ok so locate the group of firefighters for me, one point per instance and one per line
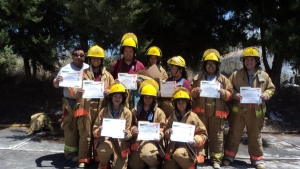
(82, 119)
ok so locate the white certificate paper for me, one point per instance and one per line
(129, 80)
(113, 128)
(167, 88)
(148, 131)
(93, 89)
(71, 78)
(250, 95)
(182, 132)
(154, 72)
(210, 89)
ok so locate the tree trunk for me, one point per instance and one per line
(276, 71)
(26, 67)
(34, 68)
(84, 43)
(263, 49)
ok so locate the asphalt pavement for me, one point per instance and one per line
(18, 151)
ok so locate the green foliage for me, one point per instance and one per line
(7, 60)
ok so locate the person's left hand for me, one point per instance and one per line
(138, 82)
(264, 96)
(192, 143)
(127, 133)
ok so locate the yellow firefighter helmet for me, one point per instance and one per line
(211, 54)
(154, 51)
(96, 51)
(148, 90)
(181, 93)
(117, 88)
(177, 61)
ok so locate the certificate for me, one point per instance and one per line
(167, 88)
(93, 89)
(148, 131)
(154, 72)
(210, 89)
(250, 95)
(129, 80)
(113, 128)
(71, 78)
(182, 132)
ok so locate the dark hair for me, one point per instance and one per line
(184, 72)
(158, 64)
(188, 104)
(101, 64)
(76, 49)
(124, 96)
(217, 66)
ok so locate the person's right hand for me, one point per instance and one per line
(58, 79)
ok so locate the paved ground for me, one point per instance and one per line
(18, 151)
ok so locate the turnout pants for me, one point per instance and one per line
(147, 154)
(254, 124)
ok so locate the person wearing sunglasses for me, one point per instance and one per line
(87, 108)
(212, 111)
(71, 135)
(147, 152)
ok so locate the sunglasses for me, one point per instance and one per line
(210, 65)
(76, 55)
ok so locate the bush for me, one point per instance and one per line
(8, 60)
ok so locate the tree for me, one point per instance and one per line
(35, 28)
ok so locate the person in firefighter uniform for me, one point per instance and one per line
(184, 155)
(71, 98)
(249, 115)
(128, 64)
(113, 149)
(179, 74)
(154, 55)
(90, 107)
(212, 111)
(147, 153)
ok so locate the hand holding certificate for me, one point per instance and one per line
(93, 89)
(148, 131)
(166, 88)
(71, 78)
(129, 80)
(113, 128)
(250, 95)
(210, 89)
(182, 132)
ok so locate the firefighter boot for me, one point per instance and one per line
(226, 162)
(216, 165)
(82, 165)
(260, 166)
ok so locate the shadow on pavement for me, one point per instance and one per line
(58, 161)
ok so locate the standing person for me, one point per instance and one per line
(70, 99)
(113, 149)
(212, 111)
(154, 55)
(128, 64)
(179, 74)
(184, 155)
(146, 153)
(91, 106)
(249, 115)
